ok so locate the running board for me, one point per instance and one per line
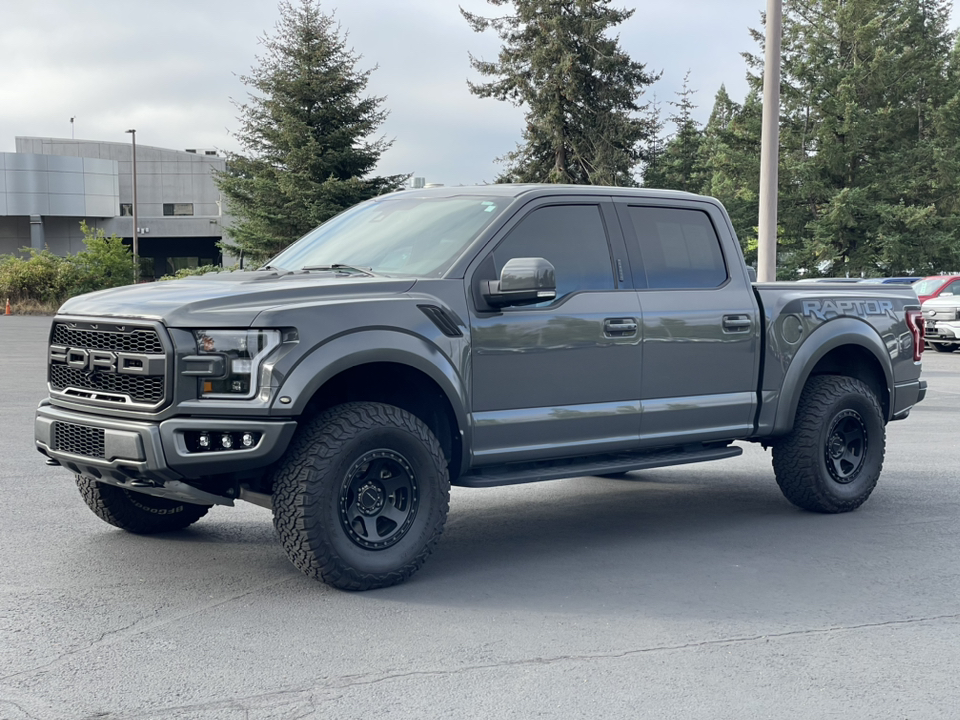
(518, 473)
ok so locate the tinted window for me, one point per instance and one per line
(680, 248)
(572, 237)
(952, 289)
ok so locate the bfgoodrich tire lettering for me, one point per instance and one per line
(831, 460)
(136, 512)
(361, 496)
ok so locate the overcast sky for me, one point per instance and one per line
(169, 69)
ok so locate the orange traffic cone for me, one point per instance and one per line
(8, 311)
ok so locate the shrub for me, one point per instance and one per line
(187, 272)
(47, 279)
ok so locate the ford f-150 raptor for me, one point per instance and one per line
(476, 337)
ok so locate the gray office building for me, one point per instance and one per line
(49, 185)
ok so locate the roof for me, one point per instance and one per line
(534, 189)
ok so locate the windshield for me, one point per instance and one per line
(928, 286)
(399, 234)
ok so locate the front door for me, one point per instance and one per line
(561, 378)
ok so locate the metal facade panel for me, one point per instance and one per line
(26, 181)
(68, 205)
(65, 183)
(28, 203)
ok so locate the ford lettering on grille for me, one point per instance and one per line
(122, 366)
(108, 361)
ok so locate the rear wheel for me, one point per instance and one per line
(831, 460)
(361, 497)
(136, 512)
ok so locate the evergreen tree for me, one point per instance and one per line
(305, 131)
(580, 90)
(679, 166)
(863, 186)
(730, 153)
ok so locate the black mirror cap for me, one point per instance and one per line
(523, 281)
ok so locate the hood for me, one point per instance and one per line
(229, 299)
(942, 301)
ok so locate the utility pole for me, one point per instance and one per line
(770, 146)
(136, 230)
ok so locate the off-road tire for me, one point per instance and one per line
(831, 460)
(137, 512)
(317, 510)
(944, 347)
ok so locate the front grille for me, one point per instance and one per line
(108, 379)
(78, 440)
(141, 389)
(135, 341)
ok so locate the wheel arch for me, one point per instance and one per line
(845, 346)
(383, 366)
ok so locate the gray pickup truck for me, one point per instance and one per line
(476, 337)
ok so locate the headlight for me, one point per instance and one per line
(243, 352)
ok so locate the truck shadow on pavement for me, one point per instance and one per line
(657, 538)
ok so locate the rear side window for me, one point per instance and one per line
(680, 248)
(572, 238)
(952, 289)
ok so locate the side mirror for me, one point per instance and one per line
(751, 273)
(523, 281)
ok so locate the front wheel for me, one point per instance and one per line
(944, 347)
(831, 460)
(137, 512)
(361, 497)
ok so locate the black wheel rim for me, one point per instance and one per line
(378, 499)
(846, 446)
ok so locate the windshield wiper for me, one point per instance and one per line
(339, 267)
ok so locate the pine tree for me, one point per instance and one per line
(680, 166)
(864, 82)
(305, 132)
(730, 153)
(579, 88)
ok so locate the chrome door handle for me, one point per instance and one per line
(737, 323)
(620, 327)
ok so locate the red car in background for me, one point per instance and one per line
(936, 285)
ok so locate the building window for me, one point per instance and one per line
(177, 209)
(126, 209)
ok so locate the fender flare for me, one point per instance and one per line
(828, 337)
(364, 346)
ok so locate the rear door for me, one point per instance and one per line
(701, 333)
(560, 378)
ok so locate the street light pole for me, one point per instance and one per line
(770, 146)
(136, 236)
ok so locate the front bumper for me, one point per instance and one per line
(130, 453)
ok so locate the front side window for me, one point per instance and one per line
(680, 248)
(952, 289)
(399, 234)
(572, 238)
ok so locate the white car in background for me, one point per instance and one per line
(942, 322)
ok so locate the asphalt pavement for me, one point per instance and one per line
(688, 592)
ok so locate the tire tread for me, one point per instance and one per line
(312, 455)
(796, 456)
